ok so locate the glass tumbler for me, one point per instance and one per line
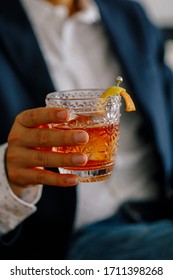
(100, 118)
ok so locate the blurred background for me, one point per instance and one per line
(161, 13)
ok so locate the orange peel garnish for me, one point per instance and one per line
(114, 90)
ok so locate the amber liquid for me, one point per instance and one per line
(101, 148)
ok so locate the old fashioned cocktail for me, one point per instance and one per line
(100, 118)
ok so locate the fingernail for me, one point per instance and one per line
(71, 180)
(79, 159)
(62, 115)
(81, 137)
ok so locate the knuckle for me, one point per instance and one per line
(13, 175)
(50, 115)
(67, 138)
(40, 177)
(13, 138)
(57, 181)
(21, 117)
(41, 137)
(41, 158)
(11, 157)
(32, 115)
(63, 159)
(66, 160)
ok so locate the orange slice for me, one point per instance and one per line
(130, 106)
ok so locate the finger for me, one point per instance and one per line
(41, 137)
(36, 176)
(40, 116)
(32, 158)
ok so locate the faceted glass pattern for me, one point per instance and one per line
(100, 118)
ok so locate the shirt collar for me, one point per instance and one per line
(89, 15)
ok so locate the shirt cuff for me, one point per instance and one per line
(13, 210)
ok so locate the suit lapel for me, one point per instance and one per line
(136, 52)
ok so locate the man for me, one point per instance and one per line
(43, 48)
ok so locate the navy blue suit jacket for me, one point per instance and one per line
(25, 81)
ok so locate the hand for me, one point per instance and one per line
(25, 162)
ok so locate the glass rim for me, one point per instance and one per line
(53, 95)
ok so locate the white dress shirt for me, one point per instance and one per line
(78, 55)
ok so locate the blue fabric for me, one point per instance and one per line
(119, 238)
(141, 52)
